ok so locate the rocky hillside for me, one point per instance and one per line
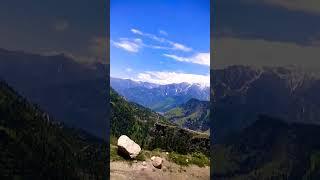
(34, 146)
(194, 115)
(151, 130)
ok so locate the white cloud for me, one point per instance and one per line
(129, 45)
(134, 45)
(162, 32)
(135, 31)
(173, 45)
(158, 47)
(163, 77)
(181, 47)
(199, 58)
(177, 58)
(151, 36)
(128, 69)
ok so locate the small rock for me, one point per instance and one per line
(167, 153)
(157, 161)
(144, 163)
(135, 161)
(152, 158)
(128, 147)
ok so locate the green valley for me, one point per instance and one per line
(151, 130)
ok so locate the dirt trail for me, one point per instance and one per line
(122, 170)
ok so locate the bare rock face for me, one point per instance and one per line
(157, 162)
(128, 147)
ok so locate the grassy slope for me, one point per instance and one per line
(198, 159)
(194, 114)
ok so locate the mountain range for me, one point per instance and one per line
(75, 93)
(72, 92)
(56, 141)
(241, 93)
(160, 98)
(265, 121)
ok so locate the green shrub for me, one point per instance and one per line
(113, 140)
(179, 159)
(114, 156)
(141, 156)
(197, 158)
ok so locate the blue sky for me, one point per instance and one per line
(160, 41)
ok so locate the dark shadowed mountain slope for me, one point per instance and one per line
(34, 146)
(269, 149)
(70, 91)
(80, 104)
(194, 114)
(160, 98)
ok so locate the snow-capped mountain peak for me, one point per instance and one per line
(160, 97)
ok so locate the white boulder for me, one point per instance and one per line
(128, 147)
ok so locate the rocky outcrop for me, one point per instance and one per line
(127, 147)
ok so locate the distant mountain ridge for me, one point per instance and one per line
(160, 98)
